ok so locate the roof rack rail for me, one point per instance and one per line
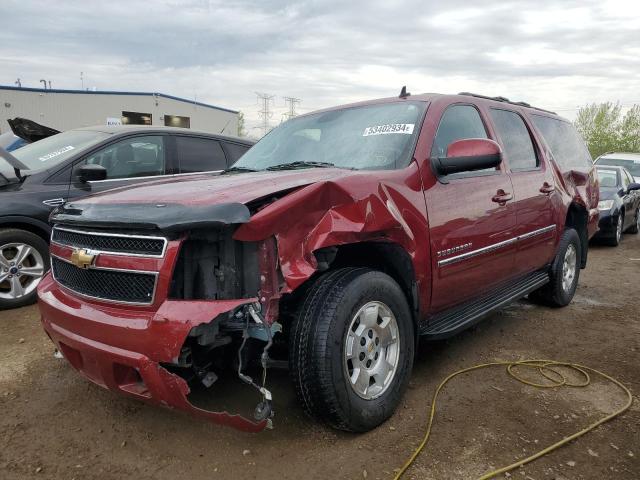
(505, 100)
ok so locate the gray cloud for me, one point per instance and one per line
(557, 54)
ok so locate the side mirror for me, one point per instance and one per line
(633, 186)
(468, 155)
(91, 173)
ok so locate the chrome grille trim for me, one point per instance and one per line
(115, 235)
(109, 300)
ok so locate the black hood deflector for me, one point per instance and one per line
(168, 218)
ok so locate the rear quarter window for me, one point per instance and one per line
(566, 144)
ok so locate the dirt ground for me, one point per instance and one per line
(55, 424)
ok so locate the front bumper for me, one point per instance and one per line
(606, 225)
(121, 349)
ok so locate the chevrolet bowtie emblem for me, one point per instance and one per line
(82, 258)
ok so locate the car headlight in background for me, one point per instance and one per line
(605, 204)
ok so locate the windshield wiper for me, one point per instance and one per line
(239, 169)
(301, 164)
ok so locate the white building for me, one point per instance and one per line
(67, 109)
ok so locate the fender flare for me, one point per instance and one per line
(39, 224)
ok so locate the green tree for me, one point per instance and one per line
(241, 131)
(600, 125)
(630, 130)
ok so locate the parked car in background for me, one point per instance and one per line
(345, 233)
(38, 177)
(630, 161)
(24, 132)
(619, 204)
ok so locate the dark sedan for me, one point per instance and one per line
(619, 204)
(42, 175)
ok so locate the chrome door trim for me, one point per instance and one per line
(495, 246)
(151, 176)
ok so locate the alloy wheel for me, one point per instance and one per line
(569, 266)
(619, 227)
(21, 269)
(371, 350)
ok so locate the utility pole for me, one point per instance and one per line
(82, 80)
(19, 83)
(291, 103)
(265, 100)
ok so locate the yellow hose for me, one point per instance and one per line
(557, 379)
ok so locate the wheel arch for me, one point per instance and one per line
(388, 257)
(28, 224)
(577, 218)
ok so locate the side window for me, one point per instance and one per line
(626, 181)
(235, 151)
(197, 154)
(458, 122)
(130, 158)
(516, 139)
(566, 144)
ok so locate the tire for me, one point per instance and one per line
(617, 233)
(331, 317)
(561, 288)
(17, 287)
(635, 228)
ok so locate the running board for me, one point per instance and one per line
(456, 319)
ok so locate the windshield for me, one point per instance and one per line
(370, 137)
(608, 178)
(53, 150)
(632, 165)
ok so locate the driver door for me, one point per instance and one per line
(131, 160)
(471, 217)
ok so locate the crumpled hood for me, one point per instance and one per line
(185, 203)
(218, 189)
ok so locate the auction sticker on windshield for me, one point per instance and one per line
(51, 155)
(405, 128)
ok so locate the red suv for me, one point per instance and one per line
(335, 242)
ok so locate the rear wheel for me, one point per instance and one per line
(24, 259)
(564, 273)
(635, 228)
(351, 348)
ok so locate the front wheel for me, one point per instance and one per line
(351, 348)
(24, 259)
(617, 235)
(564, 273)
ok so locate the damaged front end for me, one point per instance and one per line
(210, 315)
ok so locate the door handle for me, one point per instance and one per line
(501, 197)
(546, 188)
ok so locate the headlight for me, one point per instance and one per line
(605, 204)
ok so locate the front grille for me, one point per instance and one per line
(114, 243)
(113, 285)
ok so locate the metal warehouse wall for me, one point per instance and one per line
(64, 110)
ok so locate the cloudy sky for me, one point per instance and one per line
(554, 54)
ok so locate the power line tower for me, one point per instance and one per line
(265, 101)
(291, 103)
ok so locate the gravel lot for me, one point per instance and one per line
(54, 424)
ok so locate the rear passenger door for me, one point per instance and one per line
(199, 154)
(534, 190)
(471, 218)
